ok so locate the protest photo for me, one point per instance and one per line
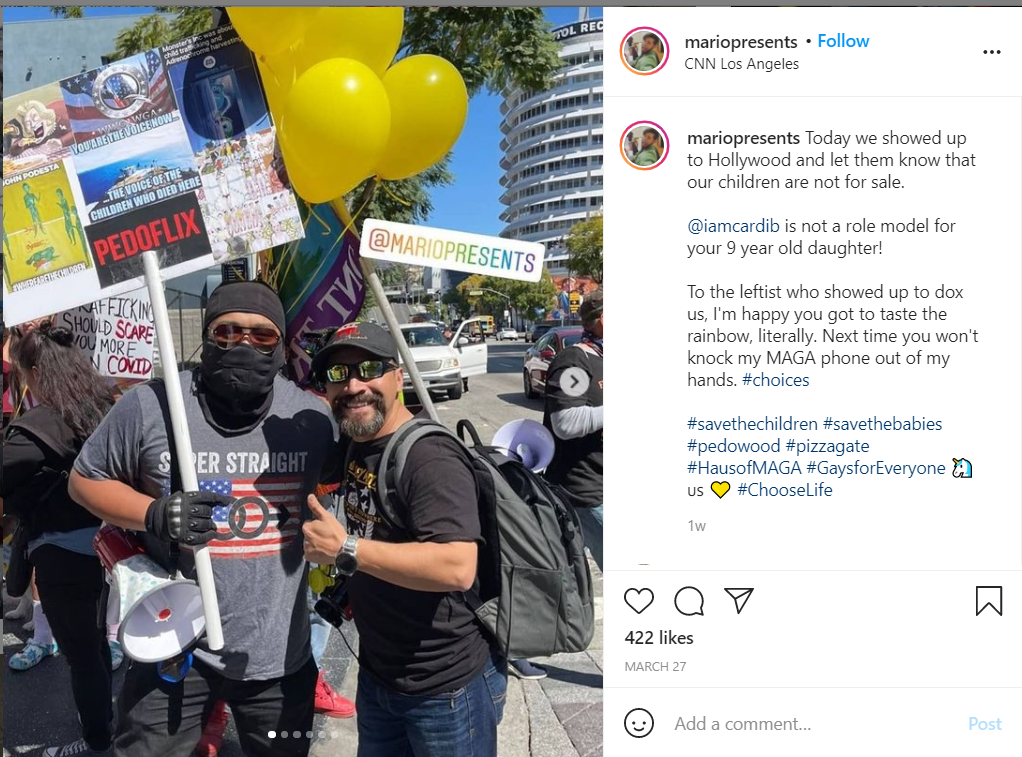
(255, 258)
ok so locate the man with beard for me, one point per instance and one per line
(651, 150)
(652, 53)
(260, 445)
(429, 682)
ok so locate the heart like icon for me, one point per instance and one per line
(720, 488)
(639, 599)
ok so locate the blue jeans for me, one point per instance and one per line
(320, 631)
(462, 723)
(592, 531)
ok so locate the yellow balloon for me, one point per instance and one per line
(428, 104)
(335, 127)
(270, 30)
(369, 35)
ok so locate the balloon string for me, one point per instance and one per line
(293, 247)
(346, 216)
(394, 196)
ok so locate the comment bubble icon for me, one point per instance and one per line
(689, 601)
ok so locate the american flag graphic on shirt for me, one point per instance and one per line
(263, 520)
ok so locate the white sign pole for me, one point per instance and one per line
(376, 287)
(182, 441)
(407, 359)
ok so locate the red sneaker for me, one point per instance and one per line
(330, 703)
(213, 735)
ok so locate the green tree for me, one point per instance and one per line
(496, 48)
(585, 248)
(527, 298)
(145, 34)
(68, 11)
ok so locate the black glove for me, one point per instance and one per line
(184, 517)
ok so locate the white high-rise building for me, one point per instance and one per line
(553, 146)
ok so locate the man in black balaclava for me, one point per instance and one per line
(235, 385)
(260, 445)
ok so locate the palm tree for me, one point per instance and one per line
(147, 33)
(68, 11)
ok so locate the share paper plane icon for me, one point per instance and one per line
(740, 596)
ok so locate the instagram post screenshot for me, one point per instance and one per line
(303, 315)
(821, 549)
(303, 381)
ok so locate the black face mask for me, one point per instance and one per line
(237, 385)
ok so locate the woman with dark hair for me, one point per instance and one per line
(40, 448)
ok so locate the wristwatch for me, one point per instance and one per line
(347, 562)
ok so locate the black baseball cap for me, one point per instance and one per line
(369, 337)
(592, 307)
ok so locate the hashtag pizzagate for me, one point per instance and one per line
(840, 449)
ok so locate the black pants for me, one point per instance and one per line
(166, 719)
(71, 589)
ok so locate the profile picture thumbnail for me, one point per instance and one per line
(644, 50)
(644, 145)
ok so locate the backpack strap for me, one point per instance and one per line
(392, 465)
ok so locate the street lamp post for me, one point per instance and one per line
(479, 293)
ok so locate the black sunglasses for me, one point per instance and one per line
(227, 336)
(367, 370)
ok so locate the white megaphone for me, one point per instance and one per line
(528, 441)
(160, 616)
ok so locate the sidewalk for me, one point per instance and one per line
(561, 716)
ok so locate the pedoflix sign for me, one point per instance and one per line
(452, 250)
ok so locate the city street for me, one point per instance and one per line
(496, 398)
(560, 716)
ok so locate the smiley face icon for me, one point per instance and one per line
(639, 723)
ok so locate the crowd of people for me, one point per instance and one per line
(78, 454)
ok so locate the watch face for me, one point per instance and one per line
(346, 564)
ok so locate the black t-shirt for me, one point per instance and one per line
(577, 463)
(415, 642)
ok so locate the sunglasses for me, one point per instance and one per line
(227, 336)
(367, 370)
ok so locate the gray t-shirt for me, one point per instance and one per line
(258, 562)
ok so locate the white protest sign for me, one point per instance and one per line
(117, 334)
(172, 150)
(452, 250)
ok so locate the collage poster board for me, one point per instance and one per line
(170, 150)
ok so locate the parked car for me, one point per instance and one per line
(445, 365)
(539, 356)
(538, 331)
(507, 333)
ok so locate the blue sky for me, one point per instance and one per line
(472, 203)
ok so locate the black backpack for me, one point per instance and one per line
(534, 591)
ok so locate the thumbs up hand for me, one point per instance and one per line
(324, 535)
